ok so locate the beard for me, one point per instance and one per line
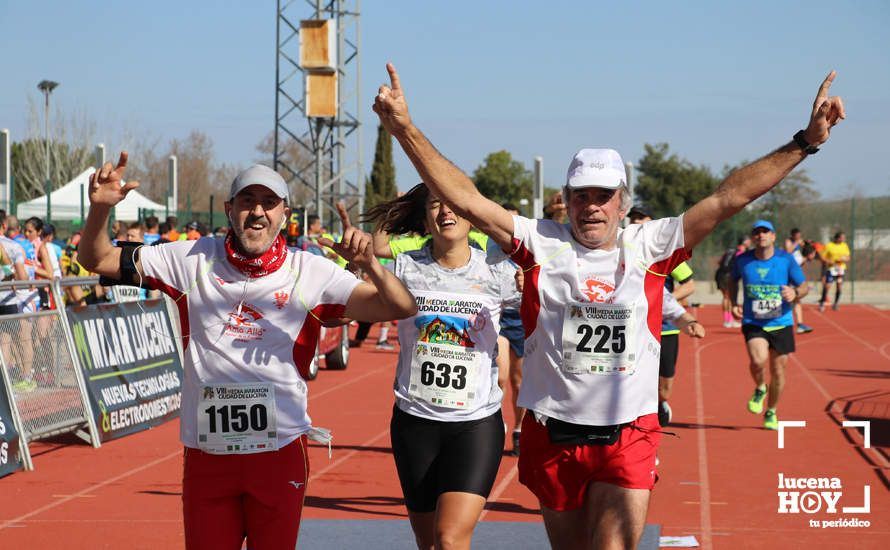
(253, 242)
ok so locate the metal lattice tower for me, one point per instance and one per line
(320, 158)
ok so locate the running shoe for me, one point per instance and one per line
(25, 386)
(355, 343)
(755, 405)
(727, 324)
(770, 420)
(664, 414)
(803, 329)
(836, 306)
(384, 345)
(735, 324)
(821, 307)
(515, 451)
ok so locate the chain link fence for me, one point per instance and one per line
(865, 221)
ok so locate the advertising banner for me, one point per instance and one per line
(130, 363)
(10, 461)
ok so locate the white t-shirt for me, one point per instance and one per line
(592, 319)
(446, 370)
(671, 309)
(24, 299)
(240, 330)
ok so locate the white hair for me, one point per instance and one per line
(626, 199)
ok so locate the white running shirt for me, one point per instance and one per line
(236, 330)
(592, 319)
(18, 298)
(454, 332)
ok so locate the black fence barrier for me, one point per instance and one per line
(10, 456)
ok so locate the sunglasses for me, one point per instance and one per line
(760, 230)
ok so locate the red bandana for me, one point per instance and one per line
(260, 266)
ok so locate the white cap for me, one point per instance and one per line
(259, 174)
(596, 168)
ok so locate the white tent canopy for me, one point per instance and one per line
(65, 202)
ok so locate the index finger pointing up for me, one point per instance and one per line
(344, 215)
(393, 76)
(823, 89)
(122, 161)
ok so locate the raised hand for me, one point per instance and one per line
(390, 104)
(827, 111)
(344, 215)
(355, 246)
(105, 183)
(556, 208)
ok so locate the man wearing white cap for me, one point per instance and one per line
(591, 310)
(250, 311)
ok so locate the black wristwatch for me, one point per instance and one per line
(803, 144)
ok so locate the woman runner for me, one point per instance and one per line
(447, 430)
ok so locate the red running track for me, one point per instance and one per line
(718, 478)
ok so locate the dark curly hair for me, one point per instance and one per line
(405, 214)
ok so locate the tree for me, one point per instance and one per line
(792, 193)
(669, 185)
(381, 187)
(199, 175)
(502, 179)
(70, 153)
(29, 166)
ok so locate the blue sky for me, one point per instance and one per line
(720, 82)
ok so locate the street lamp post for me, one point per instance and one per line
(47, 87)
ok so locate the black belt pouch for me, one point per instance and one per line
(566, 433)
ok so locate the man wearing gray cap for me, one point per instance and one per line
(591, 310)
(250, 311)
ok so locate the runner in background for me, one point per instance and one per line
(835, 256)
(152, 234)
(794, 245)
(447, 429)
(679, 286)
(251, 311)
(722, 278)
(590, 438)
(555, 208)
(172, 234)
(12, 302)
(117, 294)
(773, 282)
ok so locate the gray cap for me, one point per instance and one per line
(259, 174)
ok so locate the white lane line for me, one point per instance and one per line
(316, 395)
(348, 455)
(841, 329)
(500, 488)
(878, 457)
(704, 488)
(90, 489)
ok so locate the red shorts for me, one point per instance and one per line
(260, 496)
(559, 474)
